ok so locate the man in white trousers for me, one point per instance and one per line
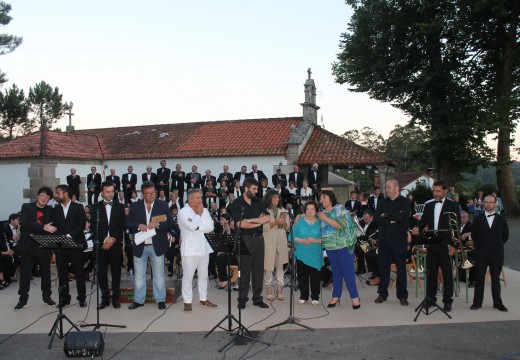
(194, 221)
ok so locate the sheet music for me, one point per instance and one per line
(144, 237)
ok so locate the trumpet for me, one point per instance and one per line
(455, 236)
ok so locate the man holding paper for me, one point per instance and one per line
(108, 224)
(150, 221)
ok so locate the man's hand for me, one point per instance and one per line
(452, 251)
(153, 225)
(109, 241)
(142, 227)
(415, 230)
(49, 228)
(17, 236)
(280, 221)
(199, 210)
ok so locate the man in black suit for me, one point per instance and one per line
(208, 176)
(489, 234)
(279, 177)
(226, 175)
(36, 218)
(9, 235)
(129, 181)
(353, 205)
(116, 181)
(439, 215)
(258, 175)
(69, 219)
(163, 179)
(111, 227)
(93, 185)
(241, 175)
(370, 228)
(149, 176)
(73, 181)
(193, 179)
(374, 199)
(465, 233)
(143, 218)
(314, 178)
(297, 177)
(178, 179)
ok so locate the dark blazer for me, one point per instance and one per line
(163, 174)
(356, 208)
(129, 179)
(96, 179)
(31, 225)
(73, 183)
(114, 180)
(371, 202)
(371, 229)
(117, 222)
(299, 180)
(229, 180)
(314, 181)
(178, 178)
(259, 173)
(237, 175)
(137, 215)
(153, 177)
(203, 182)
(428, 217)
(73, 224)
(197, 184)
(488, 240)
(275, 179)
(7, 231)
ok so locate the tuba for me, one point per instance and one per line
(455, 236)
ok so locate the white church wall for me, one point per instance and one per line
(13, 181)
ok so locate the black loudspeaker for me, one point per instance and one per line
(84, 343)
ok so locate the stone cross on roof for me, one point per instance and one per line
(309, 72)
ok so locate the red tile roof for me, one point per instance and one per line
(325, 147)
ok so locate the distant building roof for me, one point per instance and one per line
(409, 177)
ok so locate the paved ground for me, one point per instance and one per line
(385, 331)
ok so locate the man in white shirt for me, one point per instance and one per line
(194, 221)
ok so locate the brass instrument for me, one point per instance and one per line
(455, 236)
(369, 244)
(359, 229)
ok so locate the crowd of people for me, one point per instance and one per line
(167, 224)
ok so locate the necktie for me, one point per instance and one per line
(107, 202)
(491, 215)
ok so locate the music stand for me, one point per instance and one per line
(57, 242)
(225, 243)
(430, 237)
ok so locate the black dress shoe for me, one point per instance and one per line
(241, 305)
(327, 283)
(475, 307)
(161, 305)
(261, 304)
(116, 304)
(471, 284)
(447, 308)
(500, 307)
(103, 305)
(134, 305)
(82, 303)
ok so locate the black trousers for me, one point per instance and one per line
(75, 258)
(7, 266)
(27, 259)
(495, 262)
(111, 257)
(438, 257)
(307, 274)
(360, 258)
(392, 251)
(371, 257)
(222, 261)
(252, 269)
(92, 197)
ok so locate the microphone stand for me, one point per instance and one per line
(97, 325)
(291, 320)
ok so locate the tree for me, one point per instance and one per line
(402, 52)
(7, 42)
(368, 138)
(47, 105)
(406, 147)
(14, 111)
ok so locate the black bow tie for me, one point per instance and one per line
(491, 215)
(108, 202)
(438, 201)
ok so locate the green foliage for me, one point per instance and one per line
(368, 138)
(47, 105)
(406, 147)
(8, 43)
(421, 193)
(365, 181)
(14, 111)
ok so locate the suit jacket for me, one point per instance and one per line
(163, 174)
(114, 180)
(428, 217)
(236, 177)
(73, 183)
(6, 236)
(259, 173)
(178, 178)
(197, 184)
(489, 241)
(137, 215)
(73, 224)
(96, 179)
(117, 222)
(153, 177)
(371, 229)
(371, 202)
(229, 181)
(275, 179)
(32, 225)
(203, 182)
(356, 208)
(299, 179)
(129, 179)
(314, 180)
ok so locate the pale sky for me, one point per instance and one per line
(131, 62)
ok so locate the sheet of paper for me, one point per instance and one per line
(143, 236)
